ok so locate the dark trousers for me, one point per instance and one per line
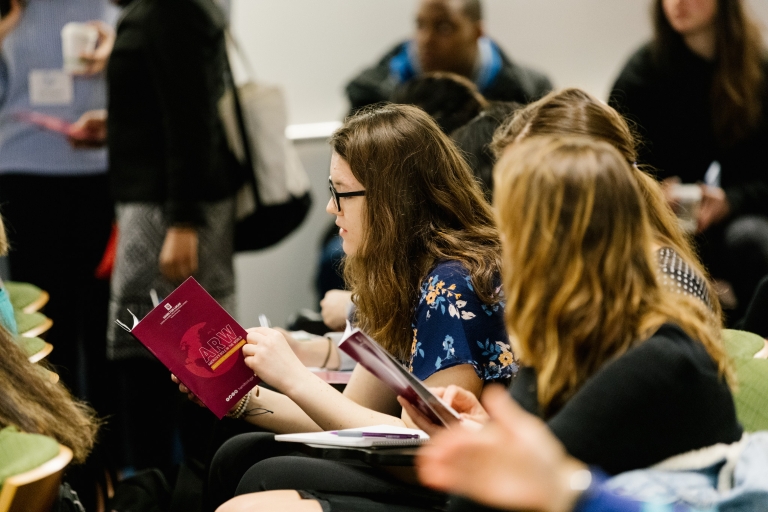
(737, 251)
(146, 421)
(58, 227)
(256, 462)
(235, 458)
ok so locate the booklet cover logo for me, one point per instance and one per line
(209, 350)
(172, 311)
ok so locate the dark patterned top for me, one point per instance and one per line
(451, 326)
(679, 276)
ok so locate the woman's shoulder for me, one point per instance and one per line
(449, 268)
(635, 89)
(677, 275)
(449, 273)
(670, 349)
(640, 67)
(453, 326)
(448, 279)
(448, 287)
(667, 366)
(662, 397)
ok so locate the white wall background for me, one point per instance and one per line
(313, 47)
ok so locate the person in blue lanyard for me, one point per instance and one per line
(54, 197)
(449, 37)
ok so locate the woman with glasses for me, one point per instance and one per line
(422, 261)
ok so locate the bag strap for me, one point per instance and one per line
(230, 79)
(239, 53)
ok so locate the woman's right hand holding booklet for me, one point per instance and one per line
(473, 415)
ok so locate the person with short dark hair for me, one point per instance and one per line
(452, 100)
(698, 94)
(475, 137)
(449, 37)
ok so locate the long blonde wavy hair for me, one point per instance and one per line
(422, 205)
(579, 269)
(573, 111)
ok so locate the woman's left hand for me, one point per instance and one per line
(270, 357)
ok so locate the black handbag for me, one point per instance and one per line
(275, 198)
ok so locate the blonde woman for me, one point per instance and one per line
(625, 371)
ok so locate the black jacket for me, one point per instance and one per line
(513, 83)
(671, 108)
(166, 75)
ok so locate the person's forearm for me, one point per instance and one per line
(319, 352)
(331, 410)
(277, 413)
(310, 405)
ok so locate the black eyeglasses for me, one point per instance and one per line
(338, 195)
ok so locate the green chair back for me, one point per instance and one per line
(751, 397)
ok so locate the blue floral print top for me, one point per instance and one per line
(452, 327)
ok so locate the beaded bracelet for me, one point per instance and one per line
(240, 408)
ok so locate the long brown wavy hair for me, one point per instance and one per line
(573, 111)
(32, 403)
(579, 269)
(422, 205)
(737, 87)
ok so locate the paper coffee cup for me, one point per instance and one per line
(77, 39)
(688, 201)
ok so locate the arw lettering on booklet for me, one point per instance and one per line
(219, 348)
(199, 342)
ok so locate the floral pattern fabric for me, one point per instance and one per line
(452, 326)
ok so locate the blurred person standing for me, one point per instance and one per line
(449, 36)
(698, 94)
(55, 198)
(173, 179)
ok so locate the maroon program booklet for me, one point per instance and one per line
(387, 369)
(200, 343)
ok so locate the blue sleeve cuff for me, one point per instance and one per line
(596, 499)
